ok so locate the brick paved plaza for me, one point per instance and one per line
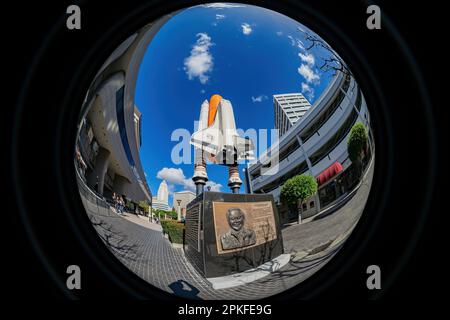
(139, 244)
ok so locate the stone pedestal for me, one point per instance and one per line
(230, 233)
(234, 181)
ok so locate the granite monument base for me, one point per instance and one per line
(250, 275)
(231, 233)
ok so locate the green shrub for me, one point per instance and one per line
(357, 141)
(300, 187)
(144, 205)
(174, 229)
(162, 214)
(172, 214)
(164, 225)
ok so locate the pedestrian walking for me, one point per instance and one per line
(121, 204)
(116, 202)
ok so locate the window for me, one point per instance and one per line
(304, 207)
(358, 101)
(323, 151)
(288, 151)
(323, 118)
(140, 131)
(346, 83)
(90, 133)
(311, 204)
(256, 174)
(301, 168)
(120, 112)
(330, 110)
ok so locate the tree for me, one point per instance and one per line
(298, 188)
(162, 214)
(144, 205)
(332, 61)
(356, 144)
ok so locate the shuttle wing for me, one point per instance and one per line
(244, 148)
(208, 139)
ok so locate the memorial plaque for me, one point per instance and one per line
(192, 234)
(230, 233)
(240, 225)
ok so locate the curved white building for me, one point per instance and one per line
(109, 134)
(316, 144)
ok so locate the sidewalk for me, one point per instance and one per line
(306, 239)
(142, 221)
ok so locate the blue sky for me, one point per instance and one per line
(244, 53)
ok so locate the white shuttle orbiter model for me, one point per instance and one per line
(218, 141)
(217, 135)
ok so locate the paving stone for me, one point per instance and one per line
(139, 244)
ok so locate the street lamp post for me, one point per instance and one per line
(179, 209)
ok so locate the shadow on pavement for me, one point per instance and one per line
(184, 289)
(115, 240)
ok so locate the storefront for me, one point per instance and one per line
(335, 183)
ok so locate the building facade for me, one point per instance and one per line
(163, 192)
(316, 144)
(109, 131)
(184, 197)
(288, 109)
(161, 201)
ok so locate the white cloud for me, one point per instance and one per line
(189, 185)
(200, 61)
(308, 58)
(259, 98)
(171, 189)
(292, 40)
(279, 33)
(214, 186)
(171, 175)
(296, 42)
(175, 176)
(218, 18)
(306, 89)
(246, 29)
(219, 5)
(309, 74)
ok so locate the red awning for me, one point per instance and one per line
(329, 173)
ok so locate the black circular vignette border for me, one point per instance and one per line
(101, 38)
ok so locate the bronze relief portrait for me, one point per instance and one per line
(238, 236)
(240, 226)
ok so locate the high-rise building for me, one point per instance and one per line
(315, 145)
(289, 108)
(161, 201)
(163, 192)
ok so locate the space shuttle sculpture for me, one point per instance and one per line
(218, 141)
